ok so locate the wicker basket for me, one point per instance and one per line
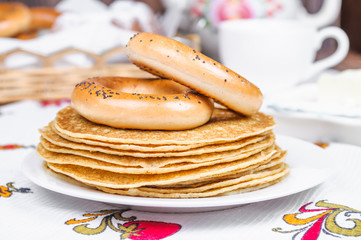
(49, 82)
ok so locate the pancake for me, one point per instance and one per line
(115, 180)
(133, 150)
(162, 161)
(143, 147)
(69, 147)
(224, 126)
(61, 158)
(275, 159)
(244, 176)
(250, 182)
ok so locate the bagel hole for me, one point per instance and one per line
(144, 86)
(119, 57)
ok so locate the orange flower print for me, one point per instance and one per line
(127, 227)
(4, 192)
(9, 189)
(325, 218)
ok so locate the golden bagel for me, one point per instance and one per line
(14, 18)
(168, 58)
(153, 104)
(42, 18)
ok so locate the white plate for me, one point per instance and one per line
(304, 159)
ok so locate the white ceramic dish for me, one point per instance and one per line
(304, 159)
(298, 113)
(303, 101)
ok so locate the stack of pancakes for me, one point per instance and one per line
(229, 154)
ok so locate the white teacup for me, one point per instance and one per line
(274, 54)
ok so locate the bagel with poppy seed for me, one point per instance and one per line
(137, 103)
(168, 58)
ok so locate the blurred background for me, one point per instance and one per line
(85, 38)
(190, 16)
(348, 19)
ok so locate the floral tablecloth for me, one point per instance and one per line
(331, 210)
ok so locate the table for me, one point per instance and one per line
(331, 210)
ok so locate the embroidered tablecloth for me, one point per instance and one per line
(331, 210)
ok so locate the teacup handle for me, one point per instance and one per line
(342, 49)
(328, 13)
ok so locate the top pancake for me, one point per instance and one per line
(224, 126)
